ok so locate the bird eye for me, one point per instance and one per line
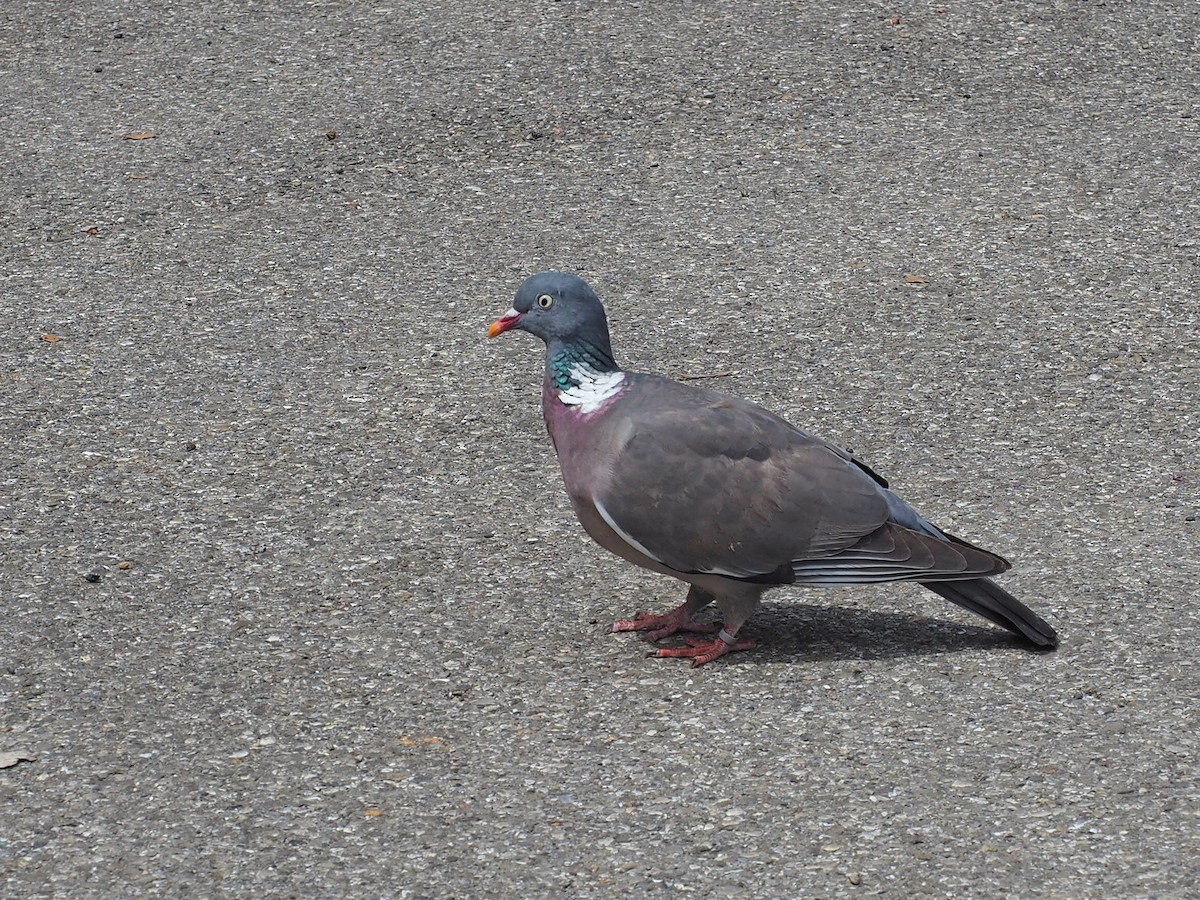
(545, 301)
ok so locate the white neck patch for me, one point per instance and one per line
(591, 388)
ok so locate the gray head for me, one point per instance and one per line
(562, 310)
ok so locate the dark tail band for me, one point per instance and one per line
(986, 598)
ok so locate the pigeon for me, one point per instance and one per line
(721, 494)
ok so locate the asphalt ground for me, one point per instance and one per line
(291, 601)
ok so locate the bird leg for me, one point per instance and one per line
(736, 608)
(701, 651)
(681, 618)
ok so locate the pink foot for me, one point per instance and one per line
(679, 619)
(701, 651)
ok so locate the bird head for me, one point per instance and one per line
(558, 307)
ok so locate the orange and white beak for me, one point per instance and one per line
(504, 323)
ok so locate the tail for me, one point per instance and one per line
(986, 598)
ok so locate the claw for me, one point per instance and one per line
(634, 624)
(700, 651)
(675, 621)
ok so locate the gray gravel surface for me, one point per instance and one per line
(291, 602)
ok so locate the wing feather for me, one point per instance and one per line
(707, 483)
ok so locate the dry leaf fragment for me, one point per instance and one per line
(420, 741)
(9, 758)
(373, 813)
(140, 136)
(51, 338)
(913, 278)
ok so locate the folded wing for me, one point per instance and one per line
(706, 483)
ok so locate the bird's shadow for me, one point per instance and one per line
(787, 633)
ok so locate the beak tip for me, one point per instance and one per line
(503, 324)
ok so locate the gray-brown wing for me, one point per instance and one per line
(709, 483)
